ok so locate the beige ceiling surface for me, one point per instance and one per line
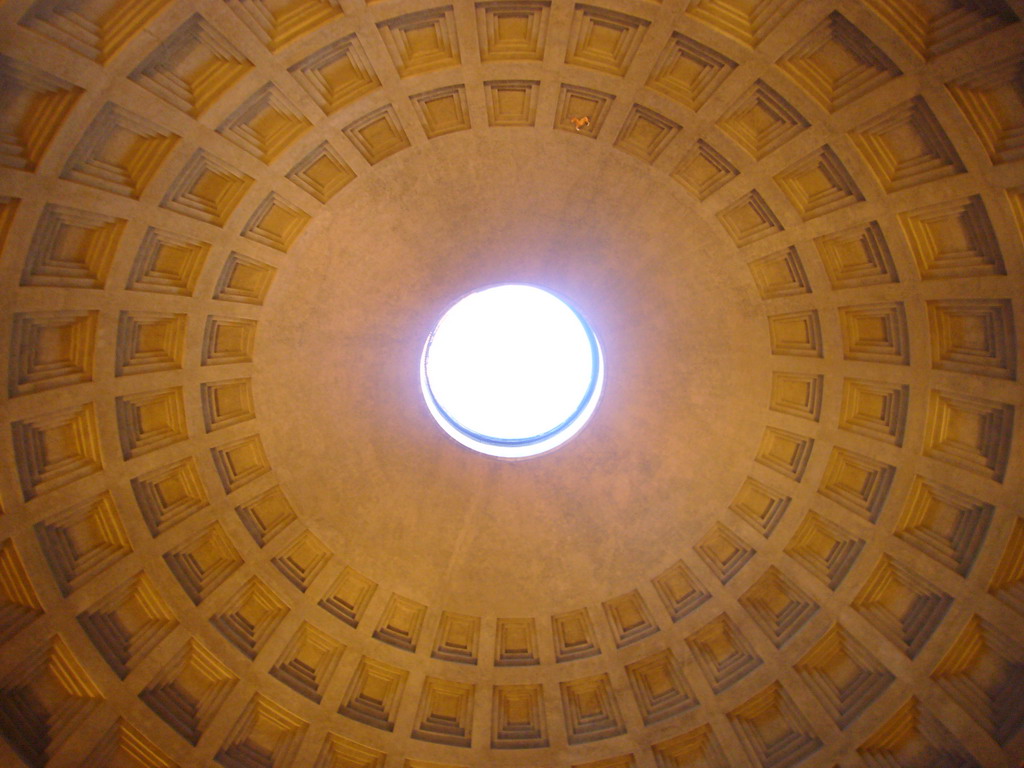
(231, 534)
(661, 456)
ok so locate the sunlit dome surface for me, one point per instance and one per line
(511, 371)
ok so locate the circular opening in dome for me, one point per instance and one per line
(511, 371)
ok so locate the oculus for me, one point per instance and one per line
(511, 371)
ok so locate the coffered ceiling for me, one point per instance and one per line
(232, 535)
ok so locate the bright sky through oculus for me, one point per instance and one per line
(511, 364)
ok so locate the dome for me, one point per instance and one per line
(233, 534)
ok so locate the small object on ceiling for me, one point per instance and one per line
(580, 122)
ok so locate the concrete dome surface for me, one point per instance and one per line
(231, 532)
